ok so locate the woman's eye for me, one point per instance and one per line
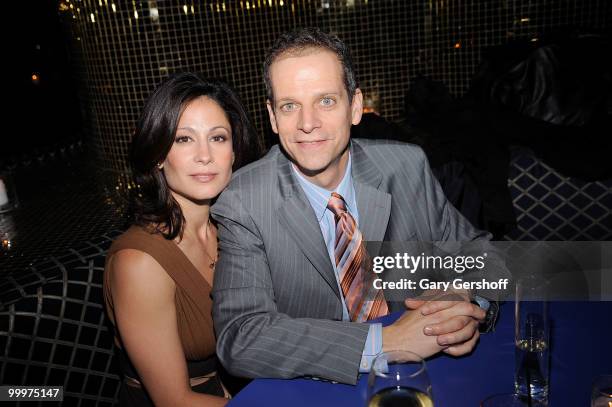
(218, 139)
(328, 102)
(181, 139)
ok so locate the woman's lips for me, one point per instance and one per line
(203, 177)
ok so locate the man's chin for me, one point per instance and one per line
(311, 170)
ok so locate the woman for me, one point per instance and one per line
(158, 274)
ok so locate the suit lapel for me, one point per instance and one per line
(373, 204)
(299, 218)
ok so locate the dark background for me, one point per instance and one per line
(39, 115)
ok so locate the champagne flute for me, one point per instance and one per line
(399, 378)
(532, 334)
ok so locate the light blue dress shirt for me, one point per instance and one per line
(318, 198)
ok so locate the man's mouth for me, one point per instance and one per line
(311, 143)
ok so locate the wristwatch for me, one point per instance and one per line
(492, 310)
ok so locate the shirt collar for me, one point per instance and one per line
(318, 197)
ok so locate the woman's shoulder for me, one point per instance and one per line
(141, 238)
(133, 265)
(136, 251)
(131, 262)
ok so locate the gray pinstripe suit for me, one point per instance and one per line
(277, 307)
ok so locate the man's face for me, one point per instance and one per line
(312, 114)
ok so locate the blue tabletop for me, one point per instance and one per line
(581, 349)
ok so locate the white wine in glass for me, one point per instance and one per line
(399, 378)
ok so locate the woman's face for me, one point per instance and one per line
(199, 164)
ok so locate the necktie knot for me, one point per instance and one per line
(336, 204)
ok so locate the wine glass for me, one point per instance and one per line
(399, 378)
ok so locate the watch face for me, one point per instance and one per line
(481, 302)
(490, 318)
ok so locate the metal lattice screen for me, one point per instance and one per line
(551, 206)
(53, 330)
(123, 49)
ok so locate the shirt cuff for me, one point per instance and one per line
(372, 347)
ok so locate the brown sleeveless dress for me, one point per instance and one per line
(193, 311)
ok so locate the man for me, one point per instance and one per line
(283, 306)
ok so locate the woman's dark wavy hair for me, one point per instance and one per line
(154, 135)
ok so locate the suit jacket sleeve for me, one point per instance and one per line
(254, 339)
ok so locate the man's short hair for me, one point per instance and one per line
(302, 40)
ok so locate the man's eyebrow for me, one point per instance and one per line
(284, 100)
(332, 93)
(318, 95)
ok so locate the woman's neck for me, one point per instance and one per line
(196, 216)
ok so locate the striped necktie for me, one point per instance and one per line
(350, 255)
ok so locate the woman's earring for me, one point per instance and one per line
(160, 166)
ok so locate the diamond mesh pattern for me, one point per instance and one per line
(550, 206)
(53, 330)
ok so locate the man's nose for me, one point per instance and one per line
(309, 120)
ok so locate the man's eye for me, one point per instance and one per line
(328, 102)
(288, 107)
(181, 139)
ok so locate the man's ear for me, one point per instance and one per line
(272, 116)
(357, 107)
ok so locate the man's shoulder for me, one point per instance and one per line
(252, 188)
(390, 153)
(257, 173)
